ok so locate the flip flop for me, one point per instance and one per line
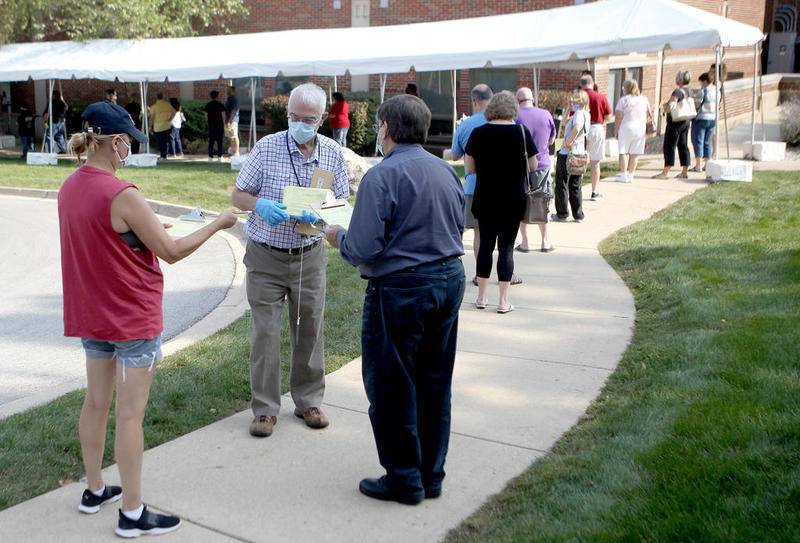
(504, 310)
(515, 280)
(521, 250)
(548, 249)
(659, 176)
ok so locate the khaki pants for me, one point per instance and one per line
(272, 278)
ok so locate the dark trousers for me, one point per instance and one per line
(163, 142)
(27, 145)
(175, 145)
(500, 231)
(676, 133)
(135, 143)
(215, 135)
(566, 183)
(408, 348)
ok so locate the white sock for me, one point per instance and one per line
(98, 493)
(135, 514)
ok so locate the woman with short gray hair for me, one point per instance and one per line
(677, 132)
(496, 153)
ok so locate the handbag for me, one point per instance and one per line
(682, 110)
(537, 198)
(576, 164)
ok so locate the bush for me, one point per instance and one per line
(553, 99)
(275, 113)
(790, 122)
(196, 125)
(73, 116)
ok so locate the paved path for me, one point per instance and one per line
(38, 362)
(521, 380)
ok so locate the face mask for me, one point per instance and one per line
(302, 132)
(123, 161)
(378, 146)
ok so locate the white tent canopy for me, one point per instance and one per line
(608, 27)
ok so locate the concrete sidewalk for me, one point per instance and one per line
(521, 381)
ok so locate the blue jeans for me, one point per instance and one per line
(27, 144)
(175, 146)
(59, 137)
(340, 136)
(702, 137)
(408, 346)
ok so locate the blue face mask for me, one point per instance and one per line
(302, 132)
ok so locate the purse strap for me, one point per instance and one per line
(525, 146)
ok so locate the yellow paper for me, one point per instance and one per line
(340, 215)
(299, 198)
(181, 229)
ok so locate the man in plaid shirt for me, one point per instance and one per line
(276, 254)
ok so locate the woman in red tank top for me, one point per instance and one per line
(110, 244)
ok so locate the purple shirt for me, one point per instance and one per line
(540, 124)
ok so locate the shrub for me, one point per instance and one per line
(553, 99)
(73, 116)
(790, 122)
(196, 125)
(275, 113)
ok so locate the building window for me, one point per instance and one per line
(283, 85)
(498, 79)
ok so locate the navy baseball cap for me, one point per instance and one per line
(108, 118)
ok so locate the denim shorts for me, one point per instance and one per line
(136, 353)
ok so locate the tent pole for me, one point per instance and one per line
(753, 108)
(252, 131)
(50, 115)
(535, 85)
(660, 80)
(761, 96)
(716, 109)
(145, 112)
(455, 100)
(335, 85)
(383, 87)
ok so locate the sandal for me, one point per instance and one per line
(521, 249)
(481, 304)
(661, 175)
(549, 249)
(515, 280)
(504, 310)
(682, 176)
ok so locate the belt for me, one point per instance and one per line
(290, 250)
(597, 124)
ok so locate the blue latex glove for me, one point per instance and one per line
(308, 217)
(271, 211)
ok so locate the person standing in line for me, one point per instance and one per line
(676, 132)
(630, 126)
(481, 94)
(496, 152)
(412, 89)
(215, 112)
(339, 119)
(411, 306)
(26, 129)
(161, 114)
(58, 123)
(575, 143)
(232, 120)
(111, 95)
(283, 265)
(175, 144)
(540, 124)
(113, 289)
(704, 123)
(134, 108)
(600, 114)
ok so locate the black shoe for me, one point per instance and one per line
(556, 218)
(148, 524)
(433, 492)
(376, 488)
(90, 504)
(475, 280)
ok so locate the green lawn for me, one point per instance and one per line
(39, 448)
(207, 184)
(696, 436)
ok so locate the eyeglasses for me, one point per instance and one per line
(307, 120)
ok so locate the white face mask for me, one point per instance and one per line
(379, 146)
(123, 161)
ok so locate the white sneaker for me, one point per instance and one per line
(628, 177)
(622, 177)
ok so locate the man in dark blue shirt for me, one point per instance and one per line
(405, 237)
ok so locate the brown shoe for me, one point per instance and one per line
(313, 416)
(262, 425)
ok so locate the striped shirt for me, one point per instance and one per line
(276, 162)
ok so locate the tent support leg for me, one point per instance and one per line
(659, 86)
(335, 84)
(383, 87)
(50, 116)
(753, 107)
(145, 115)
(716, 110)
(536, 85)
(455, 99)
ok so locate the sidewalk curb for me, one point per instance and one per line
(231, 308)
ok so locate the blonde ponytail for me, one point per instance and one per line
(86, 142)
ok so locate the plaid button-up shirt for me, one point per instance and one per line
(268, 170)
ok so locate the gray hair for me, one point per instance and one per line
(683, 77)
(481, 93)
(407, 118)
(587, 82)
(503, 106)
(310, 95)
